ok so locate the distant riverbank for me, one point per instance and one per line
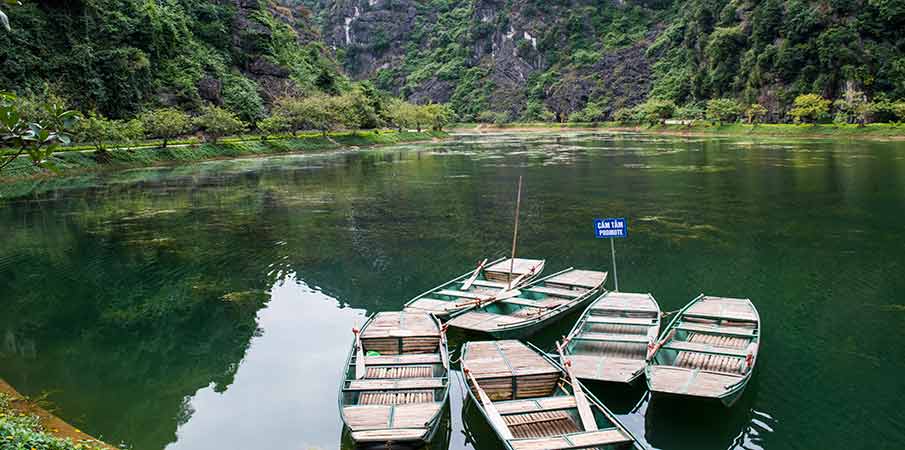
(70, 162)
(24, 424)
(875, 131)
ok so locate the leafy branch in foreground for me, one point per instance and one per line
(36, 138)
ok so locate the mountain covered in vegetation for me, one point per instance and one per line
(517, 59)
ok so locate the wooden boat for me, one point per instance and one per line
(525, 311)
(487, 280)
(612, 340)
(396, 382)
(708, 350)
(533, 403)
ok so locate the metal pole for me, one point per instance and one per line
(615, 273)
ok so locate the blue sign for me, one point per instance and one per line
(610, 228)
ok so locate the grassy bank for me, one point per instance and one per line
(25, 425)
(70, 162)
(869, 131)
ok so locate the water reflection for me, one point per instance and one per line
(209, 306)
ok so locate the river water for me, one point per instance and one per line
(209, 306)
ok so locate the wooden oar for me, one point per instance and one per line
(492, 414)
(521, 277)
(584, 408)
(359, 355)
(444, 351)
(488, 300)
(474, 276)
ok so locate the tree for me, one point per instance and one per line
(723, 110)
(656, 110)
(321, 112)
(809, 108)
(36, 138)
(692, 111)
(755, 113)
(400, 113)
(438, 115)
(275, 123)
(217, 122)
(104, 133)
(291, 110)
(165, 123)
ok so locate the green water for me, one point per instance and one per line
(209, 306)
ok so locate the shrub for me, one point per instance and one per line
(104, 133)
(809, 108)
(722, 110)
(592, 112)
(755, 113)
(165, 123)
(656, 111)
(691, 111)
(217, 122)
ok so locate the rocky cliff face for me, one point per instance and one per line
(490, 51)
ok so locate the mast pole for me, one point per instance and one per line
(518, 203)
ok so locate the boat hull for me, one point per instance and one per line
(533, 328)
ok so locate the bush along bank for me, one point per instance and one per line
(76, 162)
(880, 131)
(24, 425)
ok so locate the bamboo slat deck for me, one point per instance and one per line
(454, 296)
(544, 415)
(709, 350)
(400, 392)
(537, 305)
(610, 341)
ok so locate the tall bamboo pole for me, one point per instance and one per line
(518, 203)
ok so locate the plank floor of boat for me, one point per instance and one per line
(541, 424)
(604, 368)
(588, 439)
(680, 380)
(393, 421)
(741, 330)
(400, 324)
(483, 321)
(723, 308)
(627, 302)
(588, 279)
(430, 305)
(493, 359)
(519, 266)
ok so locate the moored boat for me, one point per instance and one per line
(708, 350)
(396, 382)
(521, 312)
(488, 279)
(533, 403)
(612, 339)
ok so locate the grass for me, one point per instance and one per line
(873, 130)
(19, 431)
(80, 161)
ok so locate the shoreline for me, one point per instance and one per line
(51, 423)
(80, 162)
(871, 132)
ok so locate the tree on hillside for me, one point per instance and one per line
(722, 110)
(809, 108)
(38, 138)
(166, 124)
(400, 114)
(322, 112)
(273, 124)
(291, 111)
(656, 110)
(756, 113)
(104, 133)
(217, 122)
(439, 115)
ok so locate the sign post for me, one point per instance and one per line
(611, 229)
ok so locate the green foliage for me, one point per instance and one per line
(438, 115)
(217, 122)
(165, 123)
(493, 117)
(809, 108)
(656, 111)
(24, 431)
(37, 137)
(755, 113)
(723, 110)
(592, 112)
(240, 96)
(321, 112)
(274, 124)
(104, 133)
(691, 111)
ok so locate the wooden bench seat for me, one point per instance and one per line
(620, 320)
(390, 385)
(535, 405)
(633, 338)
(558, 292)
(703, 348)
(529, 303)
(396, 360)
(573, 440)
(461, 294)
(714, 329)
(488, 283)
